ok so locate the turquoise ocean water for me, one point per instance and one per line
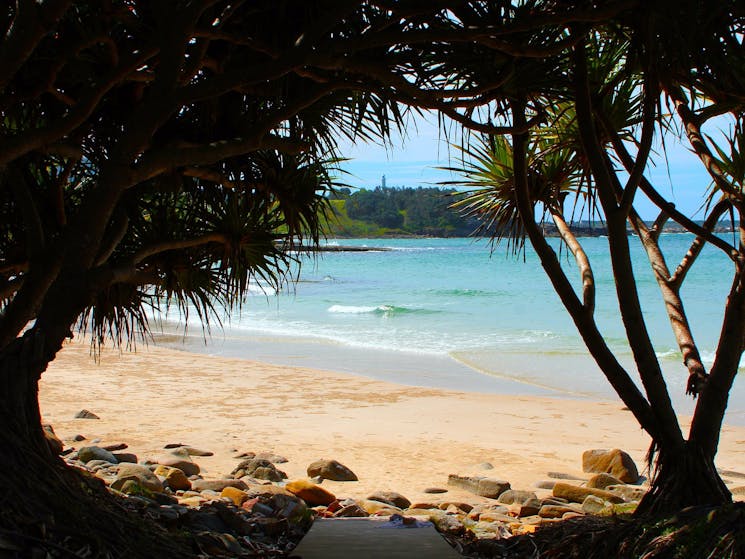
(452, 313)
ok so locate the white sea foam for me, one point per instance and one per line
(351, 309)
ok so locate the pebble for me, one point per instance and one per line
(88, 453)
(390, 498)
(332, 470)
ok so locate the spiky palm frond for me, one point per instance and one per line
(489, 185)
(731, 158)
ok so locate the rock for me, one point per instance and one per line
(602, 481)
(193, 501)
(96, 465)
(331, 469)
(377, 508)
(53, 441)
(561, 475)
(516, 496)
(484, 466)
(390, 498)
(578, 494)
(351, 511)
(462, 507)
(189, 450)
(424, 506)
(198, 452)
(544, 484)
(485, 487)
(112, 447)
(138, 473)
(164, 499)
(175, 478)
(85, 414)
(179, 451)
(427, 513)
(530, 507)
(217, 484)
(628, 492)
(183, 464)
(273, 458)
(448, 524)
(615, 462)
(490, 530)
(290, 507)
(476, 512)
(260, 469)
(554, 501)
(125, 457)
(246, 455)
(311, 493)
(556, 511)
(131, 487)
(434, 490)
(593, 504)
(234, 494)
(78, 438)
(494, 516)
(267, 491)
(88, 453)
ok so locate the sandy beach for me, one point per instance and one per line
(393, 437)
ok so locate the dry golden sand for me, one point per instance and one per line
(393, 437)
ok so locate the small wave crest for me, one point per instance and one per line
(384, 310)
(262, 289)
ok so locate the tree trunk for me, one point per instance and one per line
(44, 504)
(684, 478)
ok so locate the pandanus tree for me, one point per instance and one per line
(611, 96)
(151, 154)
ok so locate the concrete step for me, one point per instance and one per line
(368, 538)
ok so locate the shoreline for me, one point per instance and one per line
(394, 437)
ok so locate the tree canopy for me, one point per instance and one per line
(155, 152)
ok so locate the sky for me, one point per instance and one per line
(413, 162)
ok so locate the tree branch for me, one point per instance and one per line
(155, 162)
(31, 23)
(209, 175)
(645, 146)
(583, 319)
(580, 256)
(627, 294)
(698, 243)
(665, 206)
(16, 146)
(696, 139)
(164, 246)
(712, 404)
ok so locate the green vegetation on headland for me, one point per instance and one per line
(426, 212)
(397, 212)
